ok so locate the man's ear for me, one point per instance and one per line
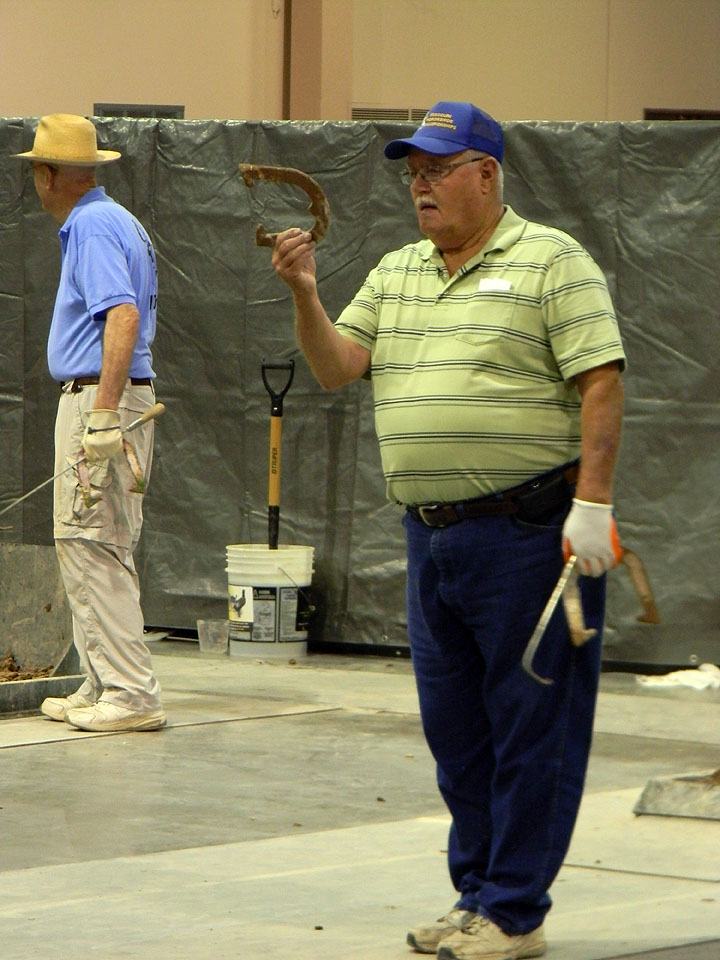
(45, 174)
(488, 173)
(488, 168)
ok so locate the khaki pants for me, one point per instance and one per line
(95, 546)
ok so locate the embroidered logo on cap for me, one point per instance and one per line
(439, 120)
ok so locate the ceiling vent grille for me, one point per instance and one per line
(163, 111)
(416, 114)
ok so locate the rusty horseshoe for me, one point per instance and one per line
(319, 207)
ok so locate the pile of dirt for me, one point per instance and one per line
(9, 670)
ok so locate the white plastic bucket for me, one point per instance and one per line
(267, 606)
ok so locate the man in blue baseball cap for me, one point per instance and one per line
(495, 359)
(452, 128)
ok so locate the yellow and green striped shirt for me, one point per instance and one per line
(473, 374)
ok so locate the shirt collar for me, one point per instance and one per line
(97, 193)
(506, 233)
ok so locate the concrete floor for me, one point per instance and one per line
(290, 811)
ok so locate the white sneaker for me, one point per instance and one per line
(56, 707)
(103, 716)
(481, 939)
(426, 939)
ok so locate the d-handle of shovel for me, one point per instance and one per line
(276, 412)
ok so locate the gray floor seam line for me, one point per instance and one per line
(598, 731)
(84, 734)
(226, 881)
(661, 952)
(639, 873)
(264, 716)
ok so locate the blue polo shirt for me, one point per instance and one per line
(107, 259)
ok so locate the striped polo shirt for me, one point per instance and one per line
(473, 374)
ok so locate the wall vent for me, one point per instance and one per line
(163, 111)
(662, 114)
(415, 114)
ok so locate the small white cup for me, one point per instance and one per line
(213, 636)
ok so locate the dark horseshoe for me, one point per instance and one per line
(319, 206)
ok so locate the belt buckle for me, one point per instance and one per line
(426, 508)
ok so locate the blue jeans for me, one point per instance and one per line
(511, 753)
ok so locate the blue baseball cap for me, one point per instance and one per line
(451, 127)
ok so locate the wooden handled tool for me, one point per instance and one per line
(276, 412)
(152, 413)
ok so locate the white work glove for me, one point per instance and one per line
(591, 534)
(103, 437)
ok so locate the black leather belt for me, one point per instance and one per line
(77, 383)
(494, 505)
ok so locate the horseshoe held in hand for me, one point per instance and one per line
(319, 206)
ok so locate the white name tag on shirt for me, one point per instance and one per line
(494, 283)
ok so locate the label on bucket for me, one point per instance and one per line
(264, 605)
(240, 612)
(267, 614)
(288, 626)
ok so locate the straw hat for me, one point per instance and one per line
(64, 139)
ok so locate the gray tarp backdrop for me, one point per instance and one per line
(643, 197)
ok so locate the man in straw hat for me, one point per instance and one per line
(495, 360)
(99, 351)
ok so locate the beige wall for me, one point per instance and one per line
(337, 54)
(321, 59)
(664, 53)
(519, 59)
(220, 58)
(539, 59)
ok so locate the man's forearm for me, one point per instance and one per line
(121, 330)
(601, 422)
(334, 360)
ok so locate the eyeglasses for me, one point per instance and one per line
(435, 173)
